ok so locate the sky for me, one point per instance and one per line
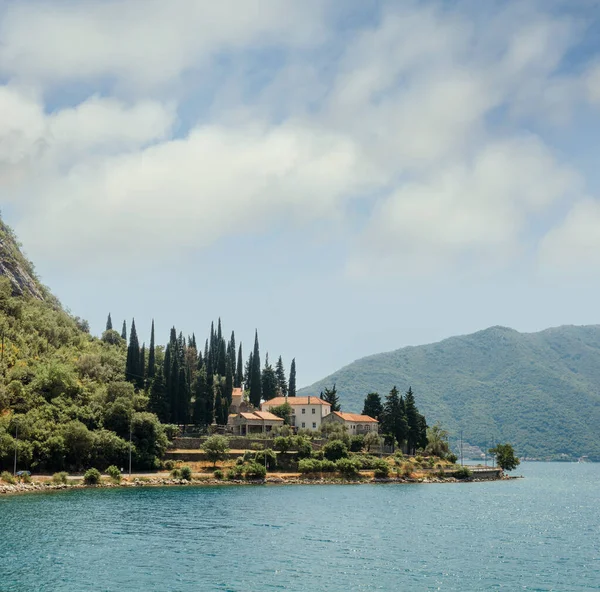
(346, 176)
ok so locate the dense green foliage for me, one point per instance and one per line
(538, 391)
(505, 457)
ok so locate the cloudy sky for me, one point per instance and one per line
(349, 176)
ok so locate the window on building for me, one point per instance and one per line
(314, 425)
(314, 410)
(303, 411)
(303, 425)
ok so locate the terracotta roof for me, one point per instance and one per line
(295, 401)
(355, 417)
(260, 416)
(267, 415)
(237, 392)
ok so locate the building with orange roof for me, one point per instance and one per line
(356, 424)
(307, 412)
(253, 422)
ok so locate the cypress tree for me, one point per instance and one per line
(228, 392)
(269, 381)
(109, 325)
(292, 383)
(231, 351)
(221, 406)
(157, 401)
(142, 376)
(132, 364)
(256, 379)
(222, 358)
(393, 419)
(412, 419)
(124, 331)
(248, 373)
(239, 375)
(282, 386)
(151, 355)
(203, 412)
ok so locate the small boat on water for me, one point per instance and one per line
(583, 459)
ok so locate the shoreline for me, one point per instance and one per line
(48, 487)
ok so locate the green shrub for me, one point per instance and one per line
(25, 478)
(357, 443)
(7, 478)
(348, 467)
(176, 473)
(255, 470)
(235, 472)
(92, 477)
(303, 446)
(239, 460)
(283, 444)
(406, 470)
(256, 446)
(382, 469)
(462, 473)
(452, 458)
(419, 458)
(219, 474)
(169, 465)
(309, 465)
(335, 450)
(271, 457)
(186, 473)
(366, 461)
(318, 454)
(248, 456)
(216, 448)
(60, 478)
(328, 466)
(114, 473)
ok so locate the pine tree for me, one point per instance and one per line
(282, 386)
(109, 325)
(124, 331)
(269, 381)
(152, 355)
(292, 383)
(393, 419)
(256, 378)
(330, 395)
(373, 406)
(239, 375)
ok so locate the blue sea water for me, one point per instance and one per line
(537, 533)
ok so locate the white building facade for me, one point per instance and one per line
(307, 412)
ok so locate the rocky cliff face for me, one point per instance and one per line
(15, 267)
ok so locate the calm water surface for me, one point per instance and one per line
(538, 533)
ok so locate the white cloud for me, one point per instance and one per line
(574, 246)
(593, 83)
(480, 209)
(190, 192)
(141, 43)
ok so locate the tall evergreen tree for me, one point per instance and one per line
(256, 380)
(239, 375)
(222, 358)
(142, 378)
(282, 386)
(248, 373)
(132, 364)
(203, 400)
(109, 324)
(232, 353)
(152, 355)
(228, 389)
(330, 395)
(221, 406)
(292, 383)
(393, 419)
(124, 331)
(412, 419)
(269, 381)
(373, 406)
(157, 401)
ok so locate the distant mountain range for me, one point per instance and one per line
(539, 391)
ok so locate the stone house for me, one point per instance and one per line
(246, 423)
(356, 424)
(307, 412)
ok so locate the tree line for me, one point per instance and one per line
(187, 384)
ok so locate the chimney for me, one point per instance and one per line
(309, 399)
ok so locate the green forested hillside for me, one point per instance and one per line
(63, 399)
(540, 391)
